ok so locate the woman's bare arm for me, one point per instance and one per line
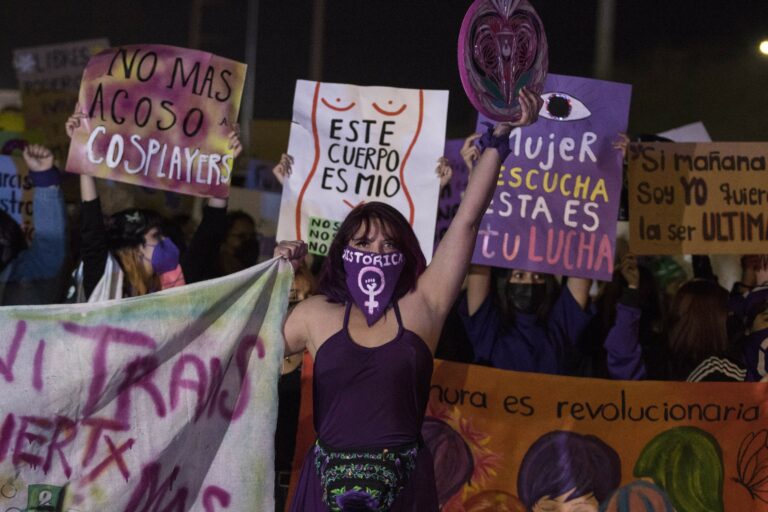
(441, 282)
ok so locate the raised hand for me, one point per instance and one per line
(283, 169)
(38, 158)
(75, 121)
(469, 152)
(530, 105)
(444, 171)
(629, 271)
(234, 140)
(293, 251)
(622, 143)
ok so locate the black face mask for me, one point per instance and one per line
(248, 252)
(526, 297)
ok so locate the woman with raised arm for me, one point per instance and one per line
(130, 255)
(372, 331)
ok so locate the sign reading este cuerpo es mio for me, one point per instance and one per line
(159, 116)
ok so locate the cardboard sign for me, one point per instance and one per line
(159, 116)
(354, 145)
(558, 193)
(506, 438)
(161, 402)
(49, 78)
(698, 198)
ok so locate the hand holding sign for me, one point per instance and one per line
(283, 168)
(469, 151)
(294, 251)
(502, 47)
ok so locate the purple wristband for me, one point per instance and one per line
(489, 140)
(47, 178)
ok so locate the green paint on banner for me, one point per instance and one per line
(321, 233)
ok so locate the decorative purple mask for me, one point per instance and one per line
(372, 279)
(502, 47)
(165, 257)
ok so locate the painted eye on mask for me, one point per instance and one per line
(561, 106)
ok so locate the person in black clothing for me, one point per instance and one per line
(698, 342)
(148, 261)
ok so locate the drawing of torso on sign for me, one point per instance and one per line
(353, 145)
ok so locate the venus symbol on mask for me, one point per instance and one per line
(368, 286)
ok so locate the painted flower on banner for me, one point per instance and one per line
(752, 465)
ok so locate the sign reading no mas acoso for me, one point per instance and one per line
(159, 116)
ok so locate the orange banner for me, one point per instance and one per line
(508, 441)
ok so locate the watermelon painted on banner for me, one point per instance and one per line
(502, 47)
(557, 198)
(158, 116)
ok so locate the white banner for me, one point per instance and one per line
(354, 144)
(162, 402)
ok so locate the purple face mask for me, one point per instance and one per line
(165, 257)
(372, 279)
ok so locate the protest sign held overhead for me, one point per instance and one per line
(509, 438)
(353, 145)
(502, 48)
(556, 203)
(49, 79)
(162, 402)
(703, 198)
(159, 116)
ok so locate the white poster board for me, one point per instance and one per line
(354, 145)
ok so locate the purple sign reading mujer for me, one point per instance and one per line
(557, 198)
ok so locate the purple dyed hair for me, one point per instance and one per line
(332, 281)
(560, 461)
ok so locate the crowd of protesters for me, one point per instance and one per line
(640, 325)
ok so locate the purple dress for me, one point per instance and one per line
(371, 398)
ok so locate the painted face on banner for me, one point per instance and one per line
(502, 47)
(372, 279)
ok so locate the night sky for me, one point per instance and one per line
(688, 60)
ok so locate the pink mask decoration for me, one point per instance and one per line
(502, 47)
(172, 278)
(372, 280)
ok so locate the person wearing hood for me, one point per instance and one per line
(31, 275)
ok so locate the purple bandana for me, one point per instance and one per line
(372, 279)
